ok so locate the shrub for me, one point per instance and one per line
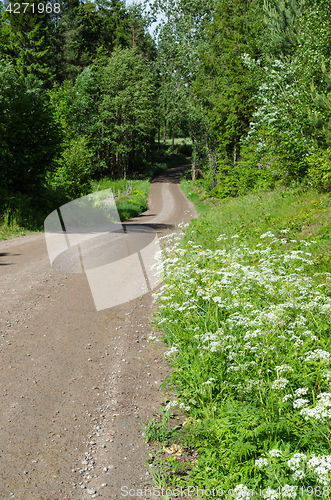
(74, 169)
(319, 171)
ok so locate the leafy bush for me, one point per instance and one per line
(319, 171)
(74, 169)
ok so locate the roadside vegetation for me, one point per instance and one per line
(244, 309)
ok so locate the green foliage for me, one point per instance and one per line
(223, 86)
(319, 171)
(29, 136)
(241, 316)
(74, 169)
(157, 431)
(128, 108)
(281, 18)
(321, 118)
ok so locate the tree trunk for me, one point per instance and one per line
(236, 150)
(193, 164)
(165, 123)
(158, 133)
(173, 141)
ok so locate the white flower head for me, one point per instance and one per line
(280, 383)
(275, 453)
(242, 492)
(300, 403)
(301, 392)
(261, 462)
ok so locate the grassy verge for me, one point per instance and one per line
(245, 310)
(9, 226)
(131, 205)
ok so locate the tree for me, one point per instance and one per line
(29, 136)
(280, 19)
(24, 40)
(223, 85)
(128, 108)
(181, 37)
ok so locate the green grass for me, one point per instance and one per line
(245, 312)
(178, 141)
(9, 226)
(128, 206)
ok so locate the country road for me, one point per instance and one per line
(76, 384)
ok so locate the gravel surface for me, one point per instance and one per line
(77, 384)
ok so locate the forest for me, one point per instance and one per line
(86, 93)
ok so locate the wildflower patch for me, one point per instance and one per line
(248, 330)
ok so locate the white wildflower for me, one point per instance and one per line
(241, 492)
(208, 381)
(261, 462)
(284, 368)
(318, 355)
(285, 398)
(321, 411)
(275, 453)
(268, 234)
(279, 383)
(295, 465)
(301, 392)
(299, 403)
(173, 350)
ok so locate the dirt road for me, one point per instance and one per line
(76, 384)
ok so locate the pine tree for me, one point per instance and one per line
(281, 19)
(321, 117)
(25, 42)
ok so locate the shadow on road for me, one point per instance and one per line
(172, 175)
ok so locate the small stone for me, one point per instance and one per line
(91, 491)
(105, 469)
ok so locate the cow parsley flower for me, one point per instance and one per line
(295, 465)
(261, 462)
(241, 492)
(299, 403)
(321, 466)
(301, 391)
(279, 383)
(285, 398)
(318, 355)
(275, 453)
(284, 368)
(321, 411)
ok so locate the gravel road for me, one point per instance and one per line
(77, 384)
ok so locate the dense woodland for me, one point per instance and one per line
(87, 92)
